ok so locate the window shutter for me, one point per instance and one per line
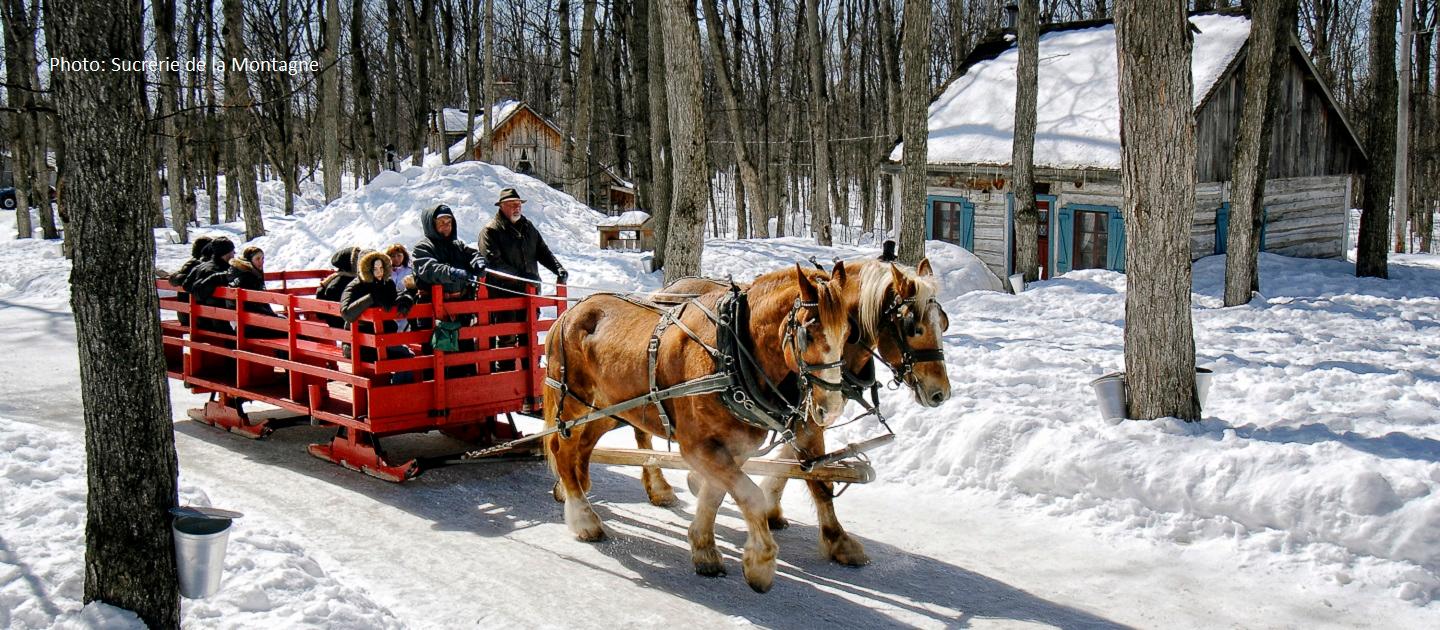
(1116, 254)
(1222, 227)
(967, 225)
(929, 218)
(1064, 235)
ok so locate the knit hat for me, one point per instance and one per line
(197, 249)
(218, 247)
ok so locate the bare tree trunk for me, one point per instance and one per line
(165, 48)
(471, 25)
(637, 37)
(20, 94)
(915, 44)
(659, 134)
(1264, 67)
(749, 177)
(1370, 255)
(491, 98)
(330, 101)
(687, 132)
(819, 127)
(364, 115)
(578, 166)
(1022, 157)
(157, 181)
(129, 439)
(241, 178)
(1157, 178)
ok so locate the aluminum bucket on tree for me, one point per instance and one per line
(200, 536)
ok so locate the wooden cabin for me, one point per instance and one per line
(1314, 153)
(632, 231)
(531, 144)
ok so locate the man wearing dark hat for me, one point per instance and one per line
(511, 244)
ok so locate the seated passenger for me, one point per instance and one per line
(373, 287)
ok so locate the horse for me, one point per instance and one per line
(894, 314)
(598, 359)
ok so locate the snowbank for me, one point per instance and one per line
(269, 581)
(1321, 438)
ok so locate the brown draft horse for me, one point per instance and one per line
(880, 305)
(598, 350)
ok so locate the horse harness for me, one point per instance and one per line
(742, 386)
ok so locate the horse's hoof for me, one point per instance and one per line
(761, 582)
(666, 498)
(848, 552)
(591, 535)
(777, 522)
(708, 562)
(583, 521)
(759, 563)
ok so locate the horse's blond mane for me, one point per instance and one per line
(876, 288)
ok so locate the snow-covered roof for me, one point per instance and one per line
(455, 119)
(1077, 123)
(626, 219)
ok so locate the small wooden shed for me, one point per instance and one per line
(531, 144)
(631, 232)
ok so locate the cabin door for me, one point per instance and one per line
(1042, 233)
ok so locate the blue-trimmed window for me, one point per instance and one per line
(1089, 237)
(1222, 226)
(950, 219)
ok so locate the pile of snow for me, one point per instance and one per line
(388, 210)
(1321, 436)
(627, 218)
(1077, 122)
(269, 581)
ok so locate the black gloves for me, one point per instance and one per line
(562, 276)
(404, 303)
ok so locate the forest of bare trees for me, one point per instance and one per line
(794, 92)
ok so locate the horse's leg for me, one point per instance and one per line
(774, 489)
(656, 487)
(570, 459)
(835, 542)
(717, 466)
(702, 530)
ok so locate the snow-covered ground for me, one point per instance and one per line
(1309, 497)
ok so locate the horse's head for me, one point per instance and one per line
(814, 338)
(900, 314)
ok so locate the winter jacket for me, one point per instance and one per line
(368, 290)
(177, 279)
(201, 282)
(517, 249)
(436, 257)
(333, 286)
(244, 275)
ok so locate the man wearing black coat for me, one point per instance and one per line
(511, 244)
(441, 258)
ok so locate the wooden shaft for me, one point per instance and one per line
(844, 472)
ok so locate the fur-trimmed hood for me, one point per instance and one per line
(243, 266)
(368, 261)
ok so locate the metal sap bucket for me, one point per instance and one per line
(1113, 396)
(1017, 283)
(200, 538)
(1110, 395)
(1203, 376)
